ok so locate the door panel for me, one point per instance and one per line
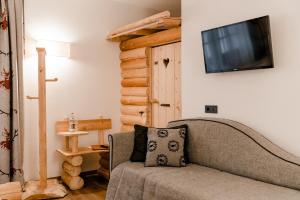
(177, 76)
(155, 85)
(166, 84)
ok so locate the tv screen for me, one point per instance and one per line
(240, 46)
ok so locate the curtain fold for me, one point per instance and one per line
(11, 92)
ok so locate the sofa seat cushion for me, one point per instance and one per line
(133, 181)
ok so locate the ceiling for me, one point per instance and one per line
(160, 5)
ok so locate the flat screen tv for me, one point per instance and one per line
(241, 46)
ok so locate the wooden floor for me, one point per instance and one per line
(94, 189)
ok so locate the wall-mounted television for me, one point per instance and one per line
(241, 46)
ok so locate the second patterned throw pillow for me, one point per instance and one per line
(165, 147)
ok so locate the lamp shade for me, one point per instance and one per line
(55, 48)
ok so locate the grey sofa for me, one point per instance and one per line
(229, 161)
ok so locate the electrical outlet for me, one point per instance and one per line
(211, 109)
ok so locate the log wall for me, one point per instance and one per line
(136, 85)
(136, 73)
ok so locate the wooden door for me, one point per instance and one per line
(166, 84)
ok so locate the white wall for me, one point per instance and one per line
(266, 100)
(174, 6)
(89, 82)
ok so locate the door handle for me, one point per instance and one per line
(165, 104)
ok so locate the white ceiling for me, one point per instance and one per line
(160, 5)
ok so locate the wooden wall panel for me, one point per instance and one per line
(177, 61)
(155, 84)
(149, 105)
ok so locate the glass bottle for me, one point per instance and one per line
(73, 123)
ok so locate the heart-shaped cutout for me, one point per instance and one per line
(166, 61)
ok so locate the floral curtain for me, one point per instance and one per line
(11, 124)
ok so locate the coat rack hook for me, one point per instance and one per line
(32, 98)
(52, 80)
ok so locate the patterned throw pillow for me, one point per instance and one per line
(165, 147)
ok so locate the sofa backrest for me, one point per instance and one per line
(235, 148)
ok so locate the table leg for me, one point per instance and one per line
(67, 142)
(74, 143)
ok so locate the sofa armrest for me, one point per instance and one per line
(120, 148)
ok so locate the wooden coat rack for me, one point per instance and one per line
(43, 189)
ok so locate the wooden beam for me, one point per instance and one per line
(133, 110)
(85, 125)
(142, 32)
(134, 64)
(147, 29)
(132, 120)
(127, 128)
(139, 23)
(166, 23)
(134, 54)
(131, 34)
(134, 100)
(121, 38)
(135, 91)
(135, 82)
(126, 35)
(42, 118)
(135, 73)
(156, 39)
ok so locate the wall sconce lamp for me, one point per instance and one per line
(55, 48)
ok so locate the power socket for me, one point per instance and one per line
(211, 109)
